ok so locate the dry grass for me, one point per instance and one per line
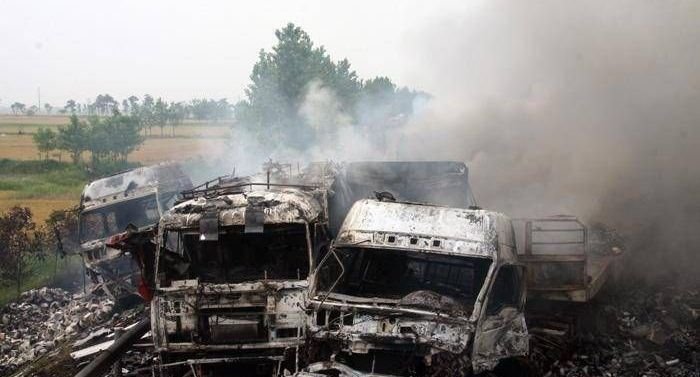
(18, 147)
(21, 147)
(10, 124)
(34, 120)
(41, 208)
(156, 150)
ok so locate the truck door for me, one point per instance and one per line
(501, 331)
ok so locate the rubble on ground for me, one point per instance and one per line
(43, 318)
(643, 332)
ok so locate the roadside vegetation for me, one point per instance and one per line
(32, 255)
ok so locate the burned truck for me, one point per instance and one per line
(232, 270)
(423, 289)
(108, 206)
(414, 289)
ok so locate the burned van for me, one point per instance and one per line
(136, 199)
(413, 289)
(232, 277)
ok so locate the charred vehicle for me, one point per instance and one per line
(133, 199)
(413, 289)
(232, 272)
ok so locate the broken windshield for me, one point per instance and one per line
(109, 220)
(279, 253)
(408, 278)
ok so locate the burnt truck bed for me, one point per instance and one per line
(565, 260)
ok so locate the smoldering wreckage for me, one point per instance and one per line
(354, 269)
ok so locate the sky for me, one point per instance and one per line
(186, 49)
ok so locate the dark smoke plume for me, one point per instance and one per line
(586, 108)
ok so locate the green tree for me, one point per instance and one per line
(104, 104)
(125, 107)
(125, 136)
(280, 82)
(20, 241)
(221, 110)
(70, 106)
(31, 111)
(133, 105)
(18, 108)
(111, 139)
(73, 138)
(177, 111)
(146, 113)
(45, 140)
(160, 114)
(98, 140)
(48, 108)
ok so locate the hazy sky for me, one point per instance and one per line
(181, 50)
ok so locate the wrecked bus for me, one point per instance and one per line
(135, 198)
(232, 276)
(413, 289)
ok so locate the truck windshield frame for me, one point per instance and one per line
(105, 221)
(281, 252)
(405, 277)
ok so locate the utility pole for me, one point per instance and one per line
(38, 91)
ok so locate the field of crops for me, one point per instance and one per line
(40, 191)
(11, 124)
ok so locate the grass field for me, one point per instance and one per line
(43, 187)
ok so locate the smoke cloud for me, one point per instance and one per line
(587, 108)
(583, 108)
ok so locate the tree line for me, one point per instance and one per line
(105, 104)
(108, 139)
(115, 130)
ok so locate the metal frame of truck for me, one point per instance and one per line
(562, 259)
(477, 340)
(258, 322)
(114, 271)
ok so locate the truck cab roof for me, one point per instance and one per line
(277, 205)
(430, 228)
(166, 177)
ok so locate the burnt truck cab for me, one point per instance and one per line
(407, 288)
(109, 205)
(232, 275)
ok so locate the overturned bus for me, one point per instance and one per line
(232, 276)
(413, 289)
(136, 199)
